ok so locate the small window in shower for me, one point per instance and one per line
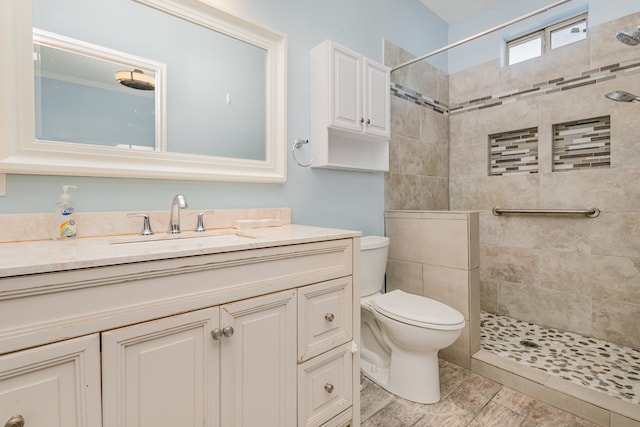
(582, 144)
(525, 48)
(568, 32)
(539, 42)
(513, 152)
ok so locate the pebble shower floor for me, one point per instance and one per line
(599, 365)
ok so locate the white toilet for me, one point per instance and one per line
(401, 333)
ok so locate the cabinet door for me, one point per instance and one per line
(258, 362)
(162, 373)
(346, 89)
(376, 99)
(56, 385)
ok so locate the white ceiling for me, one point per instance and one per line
(453, 10)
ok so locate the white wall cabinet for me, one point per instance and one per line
(350, 113)
(255, 338)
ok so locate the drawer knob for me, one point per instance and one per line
(15, 421)
(328, 387)
(329, 317)
(216, 334)
(227, 331)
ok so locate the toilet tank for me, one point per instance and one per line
(373, 263)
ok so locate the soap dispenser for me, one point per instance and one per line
(65, 224)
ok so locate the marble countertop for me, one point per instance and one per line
(44, 256)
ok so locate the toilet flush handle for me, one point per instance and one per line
(329, 317)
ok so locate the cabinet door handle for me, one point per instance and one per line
(227, 331)
(15, 421)
(329, 317)
(361, 119)
(328, 387)
(368, 121)
(216, 334)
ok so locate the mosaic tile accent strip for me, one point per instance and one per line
(589, 77)
(513, 152)
(417, 98)
(596, 364)
(602, 74)
(582, 144)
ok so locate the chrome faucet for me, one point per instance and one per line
(179, 202)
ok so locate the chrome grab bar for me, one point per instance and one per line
(590, 212)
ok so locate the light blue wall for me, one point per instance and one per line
(491, 46)
(71, 112)
(342, 199)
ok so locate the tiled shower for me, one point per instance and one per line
(573, 149)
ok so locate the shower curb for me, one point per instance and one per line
(606, 411)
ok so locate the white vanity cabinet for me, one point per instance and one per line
(258, 362)
(350, 109)
(162, 372)
(55, 385)
(229, 365)
(260, 336)
(325, 358)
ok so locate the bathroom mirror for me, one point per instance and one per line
(255, 107)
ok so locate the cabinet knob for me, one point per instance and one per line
(227, 331)
(216, 334)
(15, 421)
(368, 121)
(329, 317)
(361, 119)
(328, 387)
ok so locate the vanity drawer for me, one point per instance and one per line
(324, 317)
(345, 419)
(324, 386)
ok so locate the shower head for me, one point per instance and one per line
(629, 37)
(622, 96)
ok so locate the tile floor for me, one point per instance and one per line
(468, 399)
(596, 364)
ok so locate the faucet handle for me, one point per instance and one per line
(200, 225)
(146, 224)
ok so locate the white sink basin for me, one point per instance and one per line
(214, 237)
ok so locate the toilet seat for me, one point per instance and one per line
(418, 311)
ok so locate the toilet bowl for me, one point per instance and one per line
(401, 333)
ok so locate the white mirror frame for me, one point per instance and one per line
(21, 153)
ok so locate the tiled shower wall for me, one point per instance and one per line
(418, 176)
(573, 273)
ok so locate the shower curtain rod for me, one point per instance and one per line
(490, 30)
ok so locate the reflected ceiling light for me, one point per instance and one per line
(136, 79)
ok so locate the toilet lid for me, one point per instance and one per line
(417, 310)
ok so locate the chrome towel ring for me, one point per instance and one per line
(297, 145)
